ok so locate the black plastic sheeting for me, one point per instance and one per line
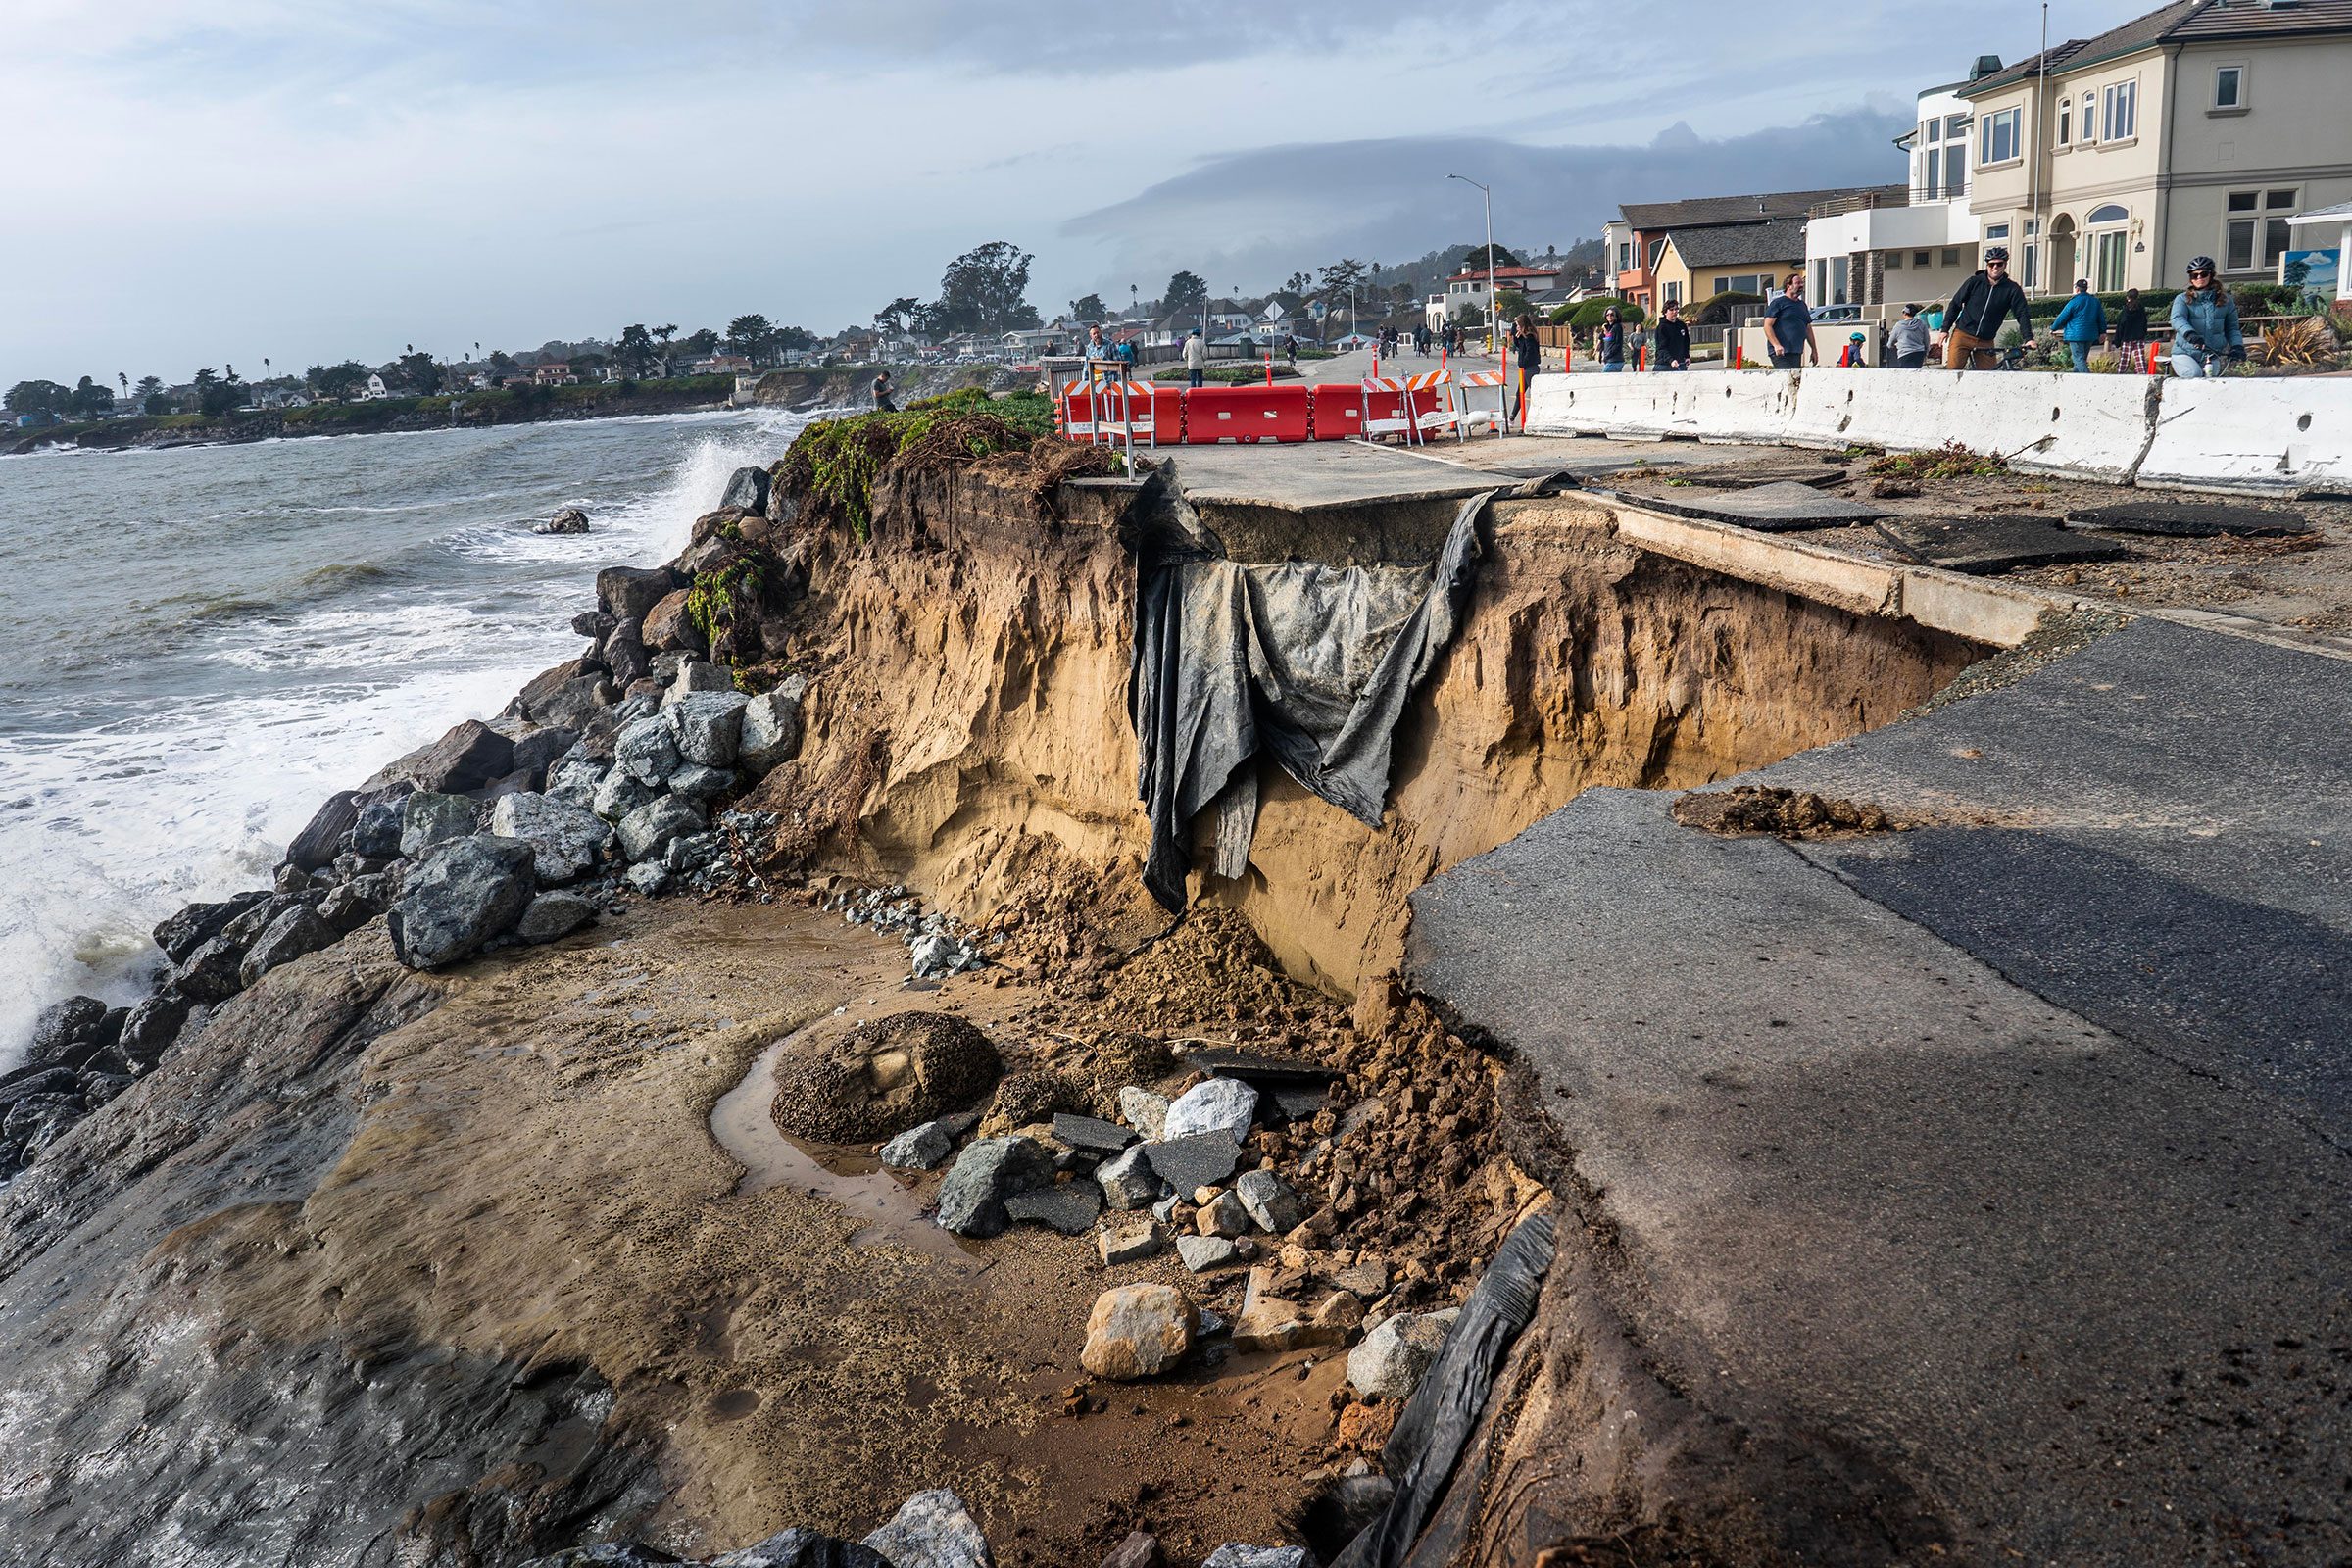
(1443, 1414)
(1309, 662)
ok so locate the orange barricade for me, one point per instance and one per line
(1089, 417)
(1246, 413)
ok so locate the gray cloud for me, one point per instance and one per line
(1255, 215)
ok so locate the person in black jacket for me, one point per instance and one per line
(1973, 318)
(2131, 332)
(1674, 339)
(1526, 352)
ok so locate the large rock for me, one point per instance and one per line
(648, 750)
(554, 914)
(626, 656)
(1200, 1160)
(1393, 1358)
(1214, 1104)
(541, 749)
(619, 793)
(696, 675)
(708, 726)
(629, 593)
(376, 830)
(668, 625)
(1233, 1554)
(198, 923)
(971, 1201)
(63, 1025)
(932, 1530)
(647, 831)
(151, 1028)
(567, 841)
(1269, 1201)
(1201, 1253)
(1070, 1207)
(1138, 1331)
(883, 1077)
(212, 972)
(1144, 1111)
(469, 755)
(801, 1548)
(1128, 1180)
(429, 818)
(297, 931)
(468, 892)
(747, 487)
(772, 727)
(567, 519)
(315, 845)
(925, 1147)
(696, 782)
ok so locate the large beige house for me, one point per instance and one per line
(2196, 130)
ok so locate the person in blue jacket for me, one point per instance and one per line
(2083, 322)
(2205, 331)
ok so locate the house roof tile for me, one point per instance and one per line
(1782, 239)
(2183, 22)
(1754, 207)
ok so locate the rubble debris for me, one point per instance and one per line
(1389, 1362)
(2190, 519)
(1070, 1207)
(1129, 1245)
(1214, 1105)
(1989, 544)
(1778, 507)
(971, 1201)
(1138, 1331)
(1782, 813)
(932, 1530)
(883, 1077)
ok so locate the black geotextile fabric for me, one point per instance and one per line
(1310, 663)
(1443, 1414)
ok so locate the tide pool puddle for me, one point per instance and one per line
(887, 1210)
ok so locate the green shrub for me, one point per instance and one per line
(833, 464)
(1716, 308)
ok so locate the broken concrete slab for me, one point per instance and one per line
(1202, 1159)
(2190, 520)
(1070, 1207)
(1990, 543)
(1780, 507)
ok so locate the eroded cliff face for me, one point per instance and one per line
(972, 685)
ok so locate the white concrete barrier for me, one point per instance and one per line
(2089, 426)
(1708, 405)
(2283, 436)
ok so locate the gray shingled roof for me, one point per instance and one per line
(2183, 22)
(1740, 244)
(1653, 216)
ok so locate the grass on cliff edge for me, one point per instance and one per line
(833, 464)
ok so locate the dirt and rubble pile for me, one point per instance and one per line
(883, 1077)
(1782, 813)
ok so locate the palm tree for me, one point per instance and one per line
(124, 376)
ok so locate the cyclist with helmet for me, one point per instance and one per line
(2205, 331)
(1973, 318)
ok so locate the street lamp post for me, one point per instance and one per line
(1493, 300)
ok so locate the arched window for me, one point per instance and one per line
(2109, 214)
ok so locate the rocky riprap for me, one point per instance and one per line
(609, 773)
(936, 947)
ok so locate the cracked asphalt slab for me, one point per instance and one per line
(2010, 1150)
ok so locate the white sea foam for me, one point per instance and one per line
(108, 824)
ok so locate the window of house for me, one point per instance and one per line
(2255, 231)
(1934, 172)
(1951, 255)
(1999, 139)
(2122, 110)
(1657, 248)
(1895, 261)
(1674, 293)
(1955, 127)
(2027, 269)
(2066, 121)
(1956, 170)
(2091, 117)
(1625, 256)
(1840, 277)
(2229, 87)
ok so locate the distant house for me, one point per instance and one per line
(722, 364)
(375, 388)
(1466, 290)
(1698, 263)
(556, 375)
(1636, 239)
(279, 397)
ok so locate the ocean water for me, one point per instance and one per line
(198, 646)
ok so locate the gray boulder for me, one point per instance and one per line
(771, 726)
(346, 907)
(212, 972)
(315, 845)
(376, 830)
(1202, 1159)
(619, 794)
(553, 915)
(575, 778)
(647, 831)
(647, 750)
(971, 1201)
(1235, 1555)
(1128, 1180)
(469, 755)
(1201, 1253)
(747, 487)
(626, 654)
(1214, 1104)
(1144, 1111)
(427, 818)
(542, 749)
(649, 878)
(1390, 1362)
(298, 931)
(63, 1025)
(151, 1028)
(696, 675)
(694, 852)
(198, 923)
(932, 1530)
(802, 1549)
(567, 841)
(469, 891)
(567, 520)
(1070, 1207)
(1269, 1201)
(923, 1147)
(698, 783)
(627, 593)
(709, 724)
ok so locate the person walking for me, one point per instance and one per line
(1789, 326)
(1674, 339)
(2131, 334)
(1973, 318)
(1610, 340)
(1195, 357)
(1908, 341)
(882, 399)
(2082, 322)
(1526, 352)
(2205, 330)
(1289, 349)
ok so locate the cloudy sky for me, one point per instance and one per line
(190, 185)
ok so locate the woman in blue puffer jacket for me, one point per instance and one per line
(2205, 331)
(2082, 322)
